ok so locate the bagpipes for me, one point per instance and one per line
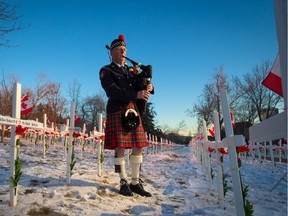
(141, 80)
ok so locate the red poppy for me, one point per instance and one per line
(210, 149)
(223, 150)
(102, 137)
(242, 149)
(76, 135)
(20, 130)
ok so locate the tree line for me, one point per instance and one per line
(250, 101)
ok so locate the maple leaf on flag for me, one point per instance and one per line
(26, 105)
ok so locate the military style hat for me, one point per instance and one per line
(118, 42)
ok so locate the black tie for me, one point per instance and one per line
(124, 69)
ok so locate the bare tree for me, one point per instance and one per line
(38, 95)
(55, 103)
(74, 90)
(6, 94)
(90, 108)
(6, 98)
(9, 21)
(261, 100)
(165, 129)
(181, 126)
(209, 100)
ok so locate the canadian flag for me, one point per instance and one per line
(26, 105)
(273, 79)
(232, 119)
(77, 118)
(212, 130)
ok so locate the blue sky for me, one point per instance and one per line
(184, 41)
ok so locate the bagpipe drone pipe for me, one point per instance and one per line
(141, 81)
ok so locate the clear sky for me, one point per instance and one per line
(184, 41)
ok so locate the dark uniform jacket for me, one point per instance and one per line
(119, 87)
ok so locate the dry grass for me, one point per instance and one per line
(44, 211)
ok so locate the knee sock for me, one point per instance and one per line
(121, 162)
(136, 161)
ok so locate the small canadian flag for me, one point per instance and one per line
(212, 130)
(77, 118)
(273, 80)
(48, 121)
(26, 105)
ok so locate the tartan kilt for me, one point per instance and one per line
(116, 136)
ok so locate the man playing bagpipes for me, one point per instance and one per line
(127, 94)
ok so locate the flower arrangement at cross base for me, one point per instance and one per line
(211, 170)
(101, 145)
(224, 176)
(73, 161)
(73, 158)
(84, 142)
(248, 206)
(14, 180)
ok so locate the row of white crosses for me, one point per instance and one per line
(230, 142)
(94, 134)
(42, 128)
(265, 132)
(164, 144)
(14, 121)
(100, 143)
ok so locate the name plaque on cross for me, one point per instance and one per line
(75, 129)
(7, 120)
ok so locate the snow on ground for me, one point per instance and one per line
(175, 179)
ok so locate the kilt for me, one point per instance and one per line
(116, 136)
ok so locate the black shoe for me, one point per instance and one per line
(124, 188)
(139, 189)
